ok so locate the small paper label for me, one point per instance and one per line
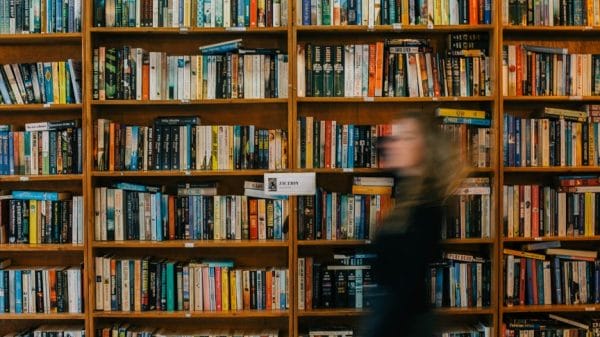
(368, 242)
(290, 183)
(24, 178)
(396, 26)
(46, 105)
(434, 98)
(236, 29)
(371, 28)
(430, 25)
(537, 239)
(185, 101)
(455, 98)
(188, 245)
(188, 172)
(576, 98)
(183, 30)
(188, 315)
(590, 308)
(348, 169)
(369, 99)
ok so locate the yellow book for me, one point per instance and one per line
(33, 222)
(215, 148)
(528, 255)
(589, 212)
(372, 190)
(233, 290)
(405, 10)
(309, 142)
(578, 144)
(199, 70)
(449, 112)
(55, 79)
(187, 11)
(224, 288)
(230, 142)
(63, 82)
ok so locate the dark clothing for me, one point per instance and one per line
(403, 255)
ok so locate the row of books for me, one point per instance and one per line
(41, 290)
(44, 148)
(468, 212)
(329, 332)
(31, 217)
(200, 13)
(344, 282)
(391, 68)
(136, 74)
(459, 280)
(327, 144)
(136, 331)
(554, 325)
(184, 144)
(40, 16)
(164, 285)
(474, 141)
(339, 216)
(41, 82)
(544, 211)
(551, 13)
(568, 277)
(552, 140)
(544, 71)
(51, 330)
(477, 329)
(384, 12)
(194, 213)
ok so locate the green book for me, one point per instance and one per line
(326, 10)
(328, 71)
(338, 72)
(218, 13)
(111, 73)
(170, 286)
(317, 71)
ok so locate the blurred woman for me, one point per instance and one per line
(427, 169)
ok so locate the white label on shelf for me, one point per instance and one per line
(576, 98)
(430, 25)
(304, 183)
(348, 169)
(187, 172)
(188, 245)
(121, 173)
(235, 29)
(455, 98)
(371, 28)
(434, 98)
(369, 99)
(396, 26)
(188, 314)
(22, 178)
(368, 242)
(183, 30)
(588, 27)
(590, 308)
(46, 105)
(185, 101)
(537, 239)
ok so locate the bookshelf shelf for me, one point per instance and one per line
(552, 308)
(550, 30)
(464, 311)
(440, 29)
(332, 313)
(26, 178)
(193, 102)
(67, 247)
(205, 314)
(39, 107)
(311, 243)
(188, 30)
(116, 174)
(470, 241)
(555, 169)
(43, 38)
(553, 238)
(191, 244)
(53, 317)
(543, 99)
(393, 99)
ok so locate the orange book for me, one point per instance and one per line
(371, 190)
(519, 74)
(246, 287)
(52, 286)
(308, 286)
(473, 12)
(372, 70)
(145, 77)
(111, 150)
(269, 290)
(379, 69)
(253, 220)
(218, 290)
(253, 13)
(172, 217)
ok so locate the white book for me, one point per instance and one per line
(155, 13)
(349, 70)
(193, 77)
(119, 221)
(226, 13)
(479, 273)
(301, 283)
(370, 13)
(284, 13)
(277, 13)
(103, 231)
(125, 292)
(301, 79)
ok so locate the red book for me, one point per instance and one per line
(522, 276)
(372, 69)
(521, 210)
(52, 286)
(172, 213)
(308, 267)
(253, 219)
(473, 12)
(328, 144)
(535, 211)
(532, 279)
(218, 289)
(519, 66)
(253, 13)
(111, 150)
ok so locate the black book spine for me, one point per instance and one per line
(166, 147)
(24, 233)
(253, 292)
(327, 285)
(175, 138)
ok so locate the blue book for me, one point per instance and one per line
(11, 153)
(344, 212)
(278, 219)
(596, 283)
(39, 195)
(50, 15)
(505, 140)
(517, 141)
(227, 264)
(48, 82)
(132, 6)
(2, 291)
(221, 47)
(529, 280)
(474, 281)
(246, 13)
(487, 12)
(135, 135)
(135, 187)
(351, 136)
(4, 91)
(357, 201)
(170, 275)
(306, 13)
(18, 280)
(456, 276)
(180, 23)
(338, 146)
(59, 18)
(158, 200)
(359, 289)
(468, 121)
(439, 286)
(240, 14)
(568, 136)
(511, 140)
(200, 13)
(4, 153)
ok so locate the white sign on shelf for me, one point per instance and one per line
(290, 183)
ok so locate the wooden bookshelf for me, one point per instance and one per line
(393, 99)
(435, 29)
(552, 308)
(191, 244)
(162, 315)
(189, 30)
(40, 107)
(41, 317)
(41, 178)
(332, 313)
(76, 248)
(191, 102)
(43, 38)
